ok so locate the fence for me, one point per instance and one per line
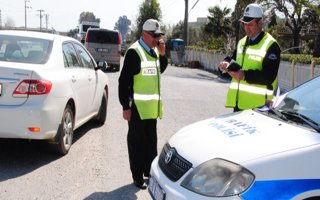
(290, 75)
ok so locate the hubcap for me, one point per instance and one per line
(67, 129)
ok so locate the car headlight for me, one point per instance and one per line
(218, 178)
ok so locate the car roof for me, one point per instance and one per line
(41, 35)
(102, 29)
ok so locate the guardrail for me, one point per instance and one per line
(290, 74)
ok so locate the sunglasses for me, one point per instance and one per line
(154, 35)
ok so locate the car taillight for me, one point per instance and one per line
(32, 87)
(119, 38)
(86, 39)
(119, 43)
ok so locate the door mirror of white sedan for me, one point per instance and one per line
(103, 65)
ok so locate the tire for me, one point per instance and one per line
(65, 132)
(102, 114)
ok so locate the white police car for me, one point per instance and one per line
(246, 155)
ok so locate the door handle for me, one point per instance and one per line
(73, 79)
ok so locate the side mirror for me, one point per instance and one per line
(103, 65)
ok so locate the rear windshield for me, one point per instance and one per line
(102, 36)
(24, 49)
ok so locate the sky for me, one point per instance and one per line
(63, 15)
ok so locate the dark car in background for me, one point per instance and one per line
(105, 46)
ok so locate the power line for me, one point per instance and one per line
(194, 5)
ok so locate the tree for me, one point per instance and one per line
(315, 18)
(219, 23)
(9, 22)
(293, 13)
(147, 10)
(177, 30)
(122, 25)
(73, 32)
(88, 16)
(313, 13)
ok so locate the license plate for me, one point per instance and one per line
(155, 190)
(0, 89)
(103, 50)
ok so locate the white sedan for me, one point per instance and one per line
(49, 86)
(254, 154)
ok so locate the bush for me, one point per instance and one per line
(300, 58)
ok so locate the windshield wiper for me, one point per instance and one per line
(303, 118)
(277, 113)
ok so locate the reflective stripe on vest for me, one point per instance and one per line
(251, 89)
(245, 94)
(146, 85)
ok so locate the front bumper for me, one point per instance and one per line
(174, 190)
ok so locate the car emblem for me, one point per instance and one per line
(168, 157)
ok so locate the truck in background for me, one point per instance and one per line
(83, 27)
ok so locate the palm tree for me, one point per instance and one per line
(219, 23)
(293, 12)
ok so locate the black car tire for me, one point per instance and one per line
(102, 114)
(65, 131)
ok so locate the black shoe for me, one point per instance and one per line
(140, 184)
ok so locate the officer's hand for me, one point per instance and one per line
(239, 75)
(161, 47)
(223, 66)
(127, 114)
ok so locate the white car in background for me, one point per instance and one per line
(49, 86)
(252, 154)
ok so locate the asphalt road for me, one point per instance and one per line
(97, 165)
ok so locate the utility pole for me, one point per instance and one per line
(185, 31)
(41, 11)
(47, 21)
(187, 42)
(25, 13)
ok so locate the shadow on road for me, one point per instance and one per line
(127, 192)
(19, 157)
(201, 74)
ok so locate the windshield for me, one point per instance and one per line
(103, 36)
(24, 49)
(303, 100)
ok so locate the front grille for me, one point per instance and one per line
(172, 164)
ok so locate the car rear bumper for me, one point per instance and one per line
(15, 121)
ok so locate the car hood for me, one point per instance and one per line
(240, 137)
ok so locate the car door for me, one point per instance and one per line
(77, 79)
(94, 93)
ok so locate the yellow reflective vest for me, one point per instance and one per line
(248, 95)
(146, 85)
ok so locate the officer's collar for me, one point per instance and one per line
(256, 39)
(144, 45)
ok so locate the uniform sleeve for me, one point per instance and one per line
(131, 66)
(163, 63)
(270, 67)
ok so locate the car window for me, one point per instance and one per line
(84, 57)
(102, 36)
(24, 49)
(304, 100)
(70, 55)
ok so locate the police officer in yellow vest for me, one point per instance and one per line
(140, 97)
(254, 64)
